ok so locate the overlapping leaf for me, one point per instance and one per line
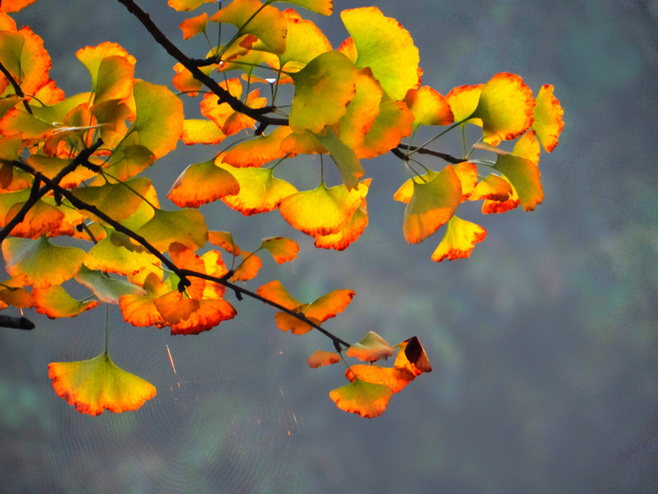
(202, 183)
(363, 398)
(55, 302)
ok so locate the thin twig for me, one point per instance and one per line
(17, 88)
(420, 150)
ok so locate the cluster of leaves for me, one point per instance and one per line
(73, 168)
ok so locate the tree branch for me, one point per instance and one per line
(17, 88)
(16, 322)
(446, 157)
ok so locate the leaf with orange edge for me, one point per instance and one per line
(248, 268)
(323, 7)
(320, 358)
(194, 25)
(211, 312)
(50, 166)
(287, 322)
(96, 385)
(304, 42)
(329, 305)
(139, 309)
(362, 110)
(119, 201)
(324, 210)
(282, 249)
(429, 107)
(506, 108)
(116, 254)
(114, 80)
(185, 82)
(394, 378)
(128, 161)
(175, 307)
(363, 398)
(42, 263)
(343, 156)
(41, 219)
(225, 241)
(411, 356)
(274, 291)
(493, 188)
(468, 175)
(202, 183)
(187, 5)
(223, 115)
(108, 290)
(92, 58)
(386, 47)
(260, 191)
(371, 348)
(393, 123)
(406, 190)
(256, 152)
(459, 240)
(250, 16)
(186, 226)
(6, 22)
(12, 293)
(55, 302)
(322, 91)
(201, 131)
(490, 206)
(548, 123)
(431, 205)
(24, 57)
(463, 101)
(348, 234)
(16, 5)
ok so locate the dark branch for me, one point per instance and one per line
(17, 88)
(16, 322)
(446, 157)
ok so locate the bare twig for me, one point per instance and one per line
(17, 88)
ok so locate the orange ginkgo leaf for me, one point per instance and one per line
(362, 110)
(248, 268)
(324, 210)
(260, 191)
(41, 219)
(371, 348)
(304, 42)
(210, 314)
(185, 82)
(52, 165)
(386, 47)
(506, 108)
(333, 75)
(187, 5)
(493, 188)
(12, 293)
(492, 206)
(429, 107)
(42, 263)
(323, 7)
(411, 356)
(202, 183)
(108, 53)
(548, 123)
(459, 240)
(320, 358)
(55, 302)
(463, 101)
(392, 124)
(24, 57)
(282, 249)
(258, 151)
(225, 241)
(468, 175)
(250, 16)
(16, 5)
(523, 174)
(393, 377)
(96, 385)
(175, 307)
(186, 226)
(348, 234)
(406, 190)
(194, 25)
(431, 205)
(363, 398)
(329, 305)
(139, 309)
(127, 161)
(274, 291)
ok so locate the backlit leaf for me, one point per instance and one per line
(411, 356)
(248, 268)
(362, 110)
(108, 290)
(282, 249)
(186, 226)
(12, 293)
(322, 91)
(343, 156)
(394, 378)
(114, 255)
(210, 313)
(468, 175)
(348, 234)
(459, 240)
(548, 115)
(55, 302)
(140, 309)
(225, 241)
(187, 5)
(494, 188)
(256, 152)
(288, 322)
(371, 348)
(304, 42)
(324, 7)
(428, 106)
(431, 205)
(386, 47)
(24, 57)
(175, 307)
(96, 385)
(320, 358)
(16, 5)
(201, 131)
(524, 176)
(276, 292)
(463, 101)
(41, 219)
(52, 165)
(392, 124)
(329, 305)
(42, 263)
(194, 25)
(366, 399)
(119, 201)
(127, 161)
(202, 183)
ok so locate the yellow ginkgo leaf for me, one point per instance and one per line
(459, 240)
(548, 114)
(371, 348)
(363, 398)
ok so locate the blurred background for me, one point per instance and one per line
(543, 343)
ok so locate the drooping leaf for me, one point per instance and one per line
(524, 176)
(429, 107)
(12, 293)
(194, 25)
(393, 123)
(276, 292)
(256, 152)
(406, 190)
(288, 322)
(348, 234)
(140, 309)
(116, 254)
(175, 307)
(548, 123)
(40, 220)
(42, 263)
(371, 348)
(386, 47)
(322, 91)
(362, 110)
(210, 313)
(225, 241)
(186, 226)
(202, 183)
(366, 399)
(304, 42)
(24, 57)
(320, 358)
(468, 175)
(459, 240)
(463, 101)
(494, 188)
(324, 7)
(119, 201)
(52, 165)
(411, 356)
(96, 385)
(343, 156)
(55, 302)
(107, 290)
(329, 305)
(248, 268)
(393, 377)
(282, 249)
(528, 147)
(431, 205)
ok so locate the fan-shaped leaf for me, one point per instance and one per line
(459, 240)
(320, 358)
(371, 348)
(429, 107)
(202, 183)
(394, 378)
(548, 114)
(282, 249)
(366, 399)
(186, 226)
(55, 302)
(324, 7)
(108, 290)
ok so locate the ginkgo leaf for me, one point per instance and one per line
(506, 108)
(248, 268)
(41, 219)
(187, 5)
(16, 5)
(468, 175)
(276, 292)
(186, 226)
(386, 47)
(322, 91)
(429, 107)
(93, 57)
(343, 156)
(256, 152)
(175, 307)
(366, 399)
(548, 114)
(185, 82)
(463, 101)
(201, 131)
(202, 183)
(348, 234)
(394, 378)
(50, 166)
(119, 201)
(459, 240)
(324, 7)
(128, 161)
(194, 25)
(304, 42)
(106, 289)
(140, 309)
(96, 385)
(393, 123)
(282, 249)
(264, 22)
(55, 302)
(362, 110)
(324, 210)
(260, 191)
(524, 176)
(320, 358)
(494, 188)
(24, 57)
(42, 263)
(12, 293)
(406, 190)
(211, 312)
(225, 241)
(288, 322)
(528, 147)
(371, 348)
(411, 356)
(113, 255)
(431, 205)
(329, 305)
